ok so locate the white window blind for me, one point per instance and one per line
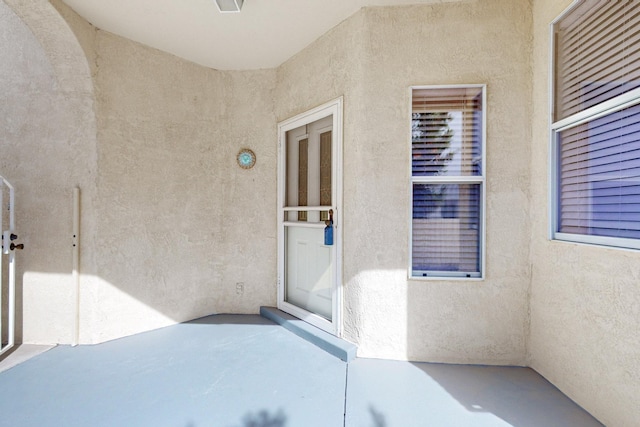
(597, 123)
(599, 192)
(447, 181)
(597, 54)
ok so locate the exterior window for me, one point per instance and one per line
(447, 181)
(596, 124)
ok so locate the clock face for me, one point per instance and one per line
(246, 158)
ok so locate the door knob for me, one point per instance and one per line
(13, 246)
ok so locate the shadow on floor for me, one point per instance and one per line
(516, 395)
(230, 319)
(379, 419)
(264, 419)
(260, 419)
(386, 393)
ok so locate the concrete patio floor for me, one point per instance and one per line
(246, 371)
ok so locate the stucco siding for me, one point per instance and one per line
(48, 137)
(171, 224)
(180, 222)
(373, 58)
(585, 300)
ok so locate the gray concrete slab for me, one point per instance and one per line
(219, 371)
(382, 393)
(246, 371)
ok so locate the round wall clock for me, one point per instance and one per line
(246, 158)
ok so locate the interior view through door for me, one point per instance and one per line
(308, 219)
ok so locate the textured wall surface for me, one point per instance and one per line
(373, 58)
(455, 321)
(48, 147)
(171, 224)
(180, 223)
(585, 300)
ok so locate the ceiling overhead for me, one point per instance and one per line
(263, 35)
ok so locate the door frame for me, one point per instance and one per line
(332, 108)
(8, 236)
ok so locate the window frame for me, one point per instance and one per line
(479, 180)
(610, 106)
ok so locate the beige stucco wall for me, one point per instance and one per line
(585, 300)
(180, 222)
(373, 58)
(474, 42)
(171, 224)
(48, 147)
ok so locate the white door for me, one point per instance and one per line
(308, 197)
(7, 266)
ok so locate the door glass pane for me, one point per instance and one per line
(308, 170)
(303, 176)
(325, 173)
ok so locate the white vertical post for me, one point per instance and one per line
(76, 264)
(12, 267)
(11, 303)
(2, 252)
(12, 293)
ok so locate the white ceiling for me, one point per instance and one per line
(264, 35)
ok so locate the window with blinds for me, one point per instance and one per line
(447, 146)
(597, 54)
(596, 129)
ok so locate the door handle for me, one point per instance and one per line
(12, 246)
